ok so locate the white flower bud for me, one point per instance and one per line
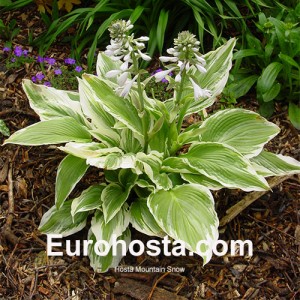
(162, 74)
(201, 68)
(124, 66)
(168, 58)
(143, 39)
(198, 91)
(178, 77)
(200, 59)
(122, 78)
(144, 56)
(112, 73)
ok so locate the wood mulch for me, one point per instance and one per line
(27, 181)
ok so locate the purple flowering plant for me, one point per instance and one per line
(16, 56)
(65, 76)
(49, 70)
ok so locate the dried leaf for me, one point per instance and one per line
(3, 171)
(67, 4)
(4, 188)
(43, 290)
(11, 78)
(297, 235)
(44, 5)
(21, 187)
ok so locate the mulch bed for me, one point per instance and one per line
(27, 177)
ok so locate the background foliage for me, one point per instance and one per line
(267, 59)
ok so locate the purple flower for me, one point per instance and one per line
(47, 83)
(40, 76)
(51, 61)
(69, 61)
(78, 69)
(156, 71)
(18, 51)
(164, 80)
(13, 59)
(25, 52)
(57, 72)
(6, 49)
(33, 78)
(40, 59)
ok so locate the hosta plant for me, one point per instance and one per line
(157, 173)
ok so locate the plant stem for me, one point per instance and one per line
(178, 95)
(142, 112)
(177, 101)
(143, 115)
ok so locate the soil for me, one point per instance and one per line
(27, 182)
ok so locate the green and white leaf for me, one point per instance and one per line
(142, 219)
(106, 64)
(220, 163)
(127, 177)
(159, 140)
(129, 143)
(113, 197)
(69, 172)
(89, 199)
(218, 65)
(244, 130)
(270, 164)
(116, 226)
(114, 161)
(191, 134)
(121, 109)
(152, 164)
(187, 213)
(202, 180)
(94, 110)
(101, 264)
(54, 131)
(88, 150)
(60, 221)
(108, 137)
(50, 103)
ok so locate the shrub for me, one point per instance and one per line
(158, 176)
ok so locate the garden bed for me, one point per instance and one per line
(27, 181)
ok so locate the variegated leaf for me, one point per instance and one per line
(187, 213)
(88, 200)
(121, 109)
(50, 103)
(101, 264)
(54, 131)
(116, 226)
(270, 164)
(244, 130)
(60, 221)
(69, 172)
(113, 197)
(220, 163)
(142, 219)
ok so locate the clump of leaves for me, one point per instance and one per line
(9, 31)
(271, 63)
(114, 125)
